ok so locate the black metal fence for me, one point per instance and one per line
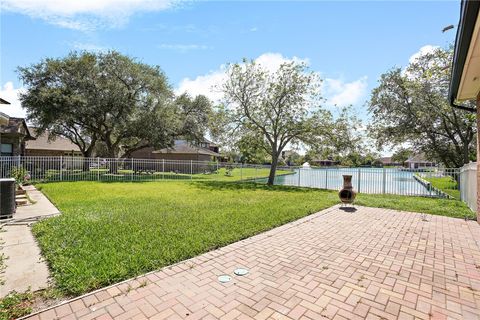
(434, 182)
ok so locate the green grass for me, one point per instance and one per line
(19, 304)
(446, 184)
(15, 305)
(239, 174)
(126, 175)
(109, 232)
(435, 206)
(112, 231)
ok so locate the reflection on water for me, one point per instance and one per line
(367, 180)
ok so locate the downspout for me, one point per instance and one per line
(468, 18)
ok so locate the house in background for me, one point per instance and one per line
(182, 150)
(418, 161)
(14, 133)
(387, 161)
(17, 139)
(324, 162)
(465, 79)
(42, 146)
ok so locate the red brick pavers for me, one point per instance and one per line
(368, 264)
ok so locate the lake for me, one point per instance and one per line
(366, 180)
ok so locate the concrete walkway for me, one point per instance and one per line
(368, 264)
(25, 268)
(41, 208)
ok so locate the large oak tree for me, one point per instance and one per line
(411, 106)
(279, 107)
(107, 97)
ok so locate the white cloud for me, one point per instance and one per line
(341, 93)
(87, 46)
(183, 47)
(9, 93)
(427, 49)
(336, 91)
(272, 61)
(85, 14)
(207, 83)
(423, 50)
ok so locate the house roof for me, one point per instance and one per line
(385, 160)
(43, 143)
(16, 126)
(323, 160)
(211, 143)
(465, 78)
(186, 148)
(3, 101)
(418, 158)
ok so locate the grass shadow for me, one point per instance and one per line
(237, 185)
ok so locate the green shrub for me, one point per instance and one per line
(20, 174)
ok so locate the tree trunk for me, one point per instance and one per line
(86, 160)
(273, 170)
(112, 162)
(87, 154)
(86, 165)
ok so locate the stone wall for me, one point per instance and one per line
(18, 147)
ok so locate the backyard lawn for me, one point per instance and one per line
(109, 232)
(222, 174)
(446, 184)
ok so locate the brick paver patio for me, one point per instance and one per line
(368, 264)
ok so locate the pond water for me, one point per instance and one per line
(366, 180)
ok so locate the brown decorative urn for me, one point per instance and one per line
(346, 194)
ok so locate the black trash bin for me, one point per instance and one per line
(7, 198)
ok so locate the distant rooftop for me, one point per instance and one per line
(3, 101)
(419, 158)
(43, 143)
(183, 147)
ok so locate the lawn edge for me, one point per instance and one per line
(287, 225)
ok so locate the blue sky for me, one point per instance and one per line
(349, 43)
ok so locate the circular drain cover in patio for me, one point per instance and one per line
(224, 278)
(240, 272)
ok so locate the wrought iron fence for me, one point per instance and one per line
(49, 169)
(433, 182)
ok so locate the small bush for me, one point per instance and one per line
(20, 174)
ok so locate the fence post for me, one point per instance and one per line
(358, 186)
(326, 178)
(98, 169)
(384, 180)
(299, 170)
(191, 169)
(61, 168)
(163, 169)
(133, 168)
